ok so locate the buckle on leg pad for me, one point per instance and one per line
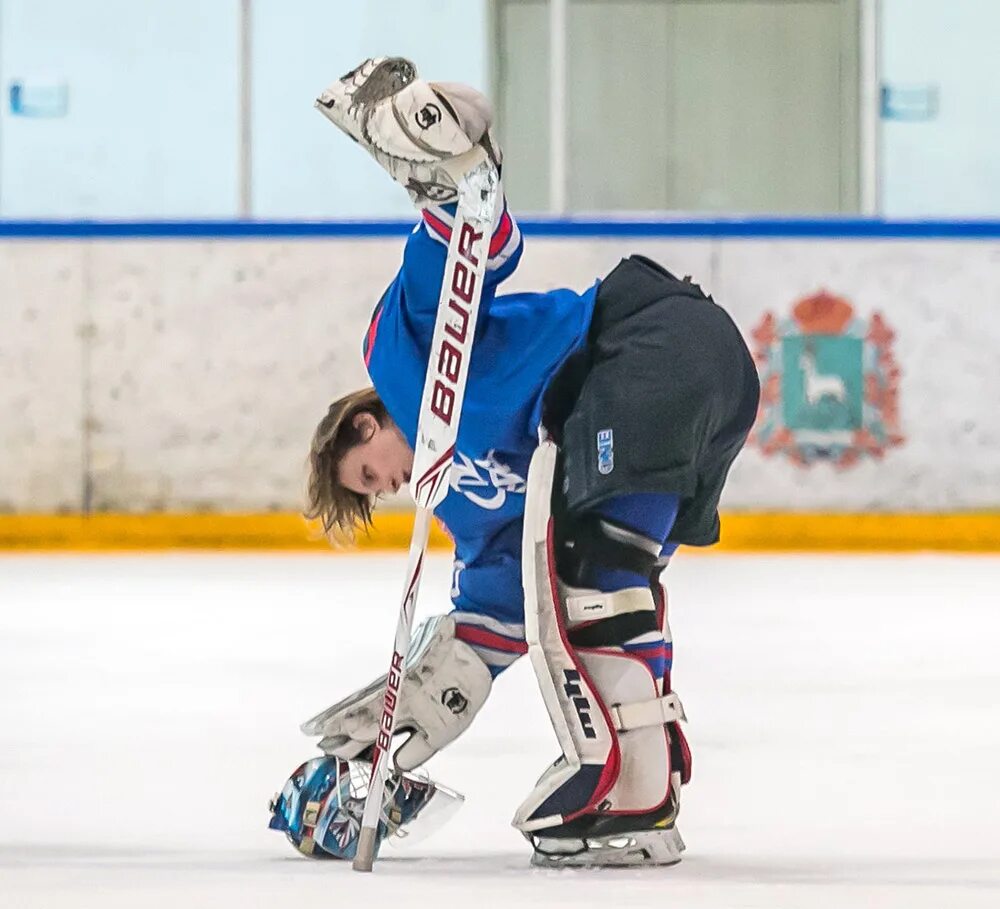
(654, 712)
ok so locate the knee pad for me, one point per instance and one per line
(610, 714)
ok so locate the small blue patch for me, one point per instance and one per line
(605, 451)
(44, 99)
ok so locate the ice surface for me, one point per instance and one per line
(843, 711)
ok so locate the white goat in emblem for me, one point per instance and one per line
(820, 385)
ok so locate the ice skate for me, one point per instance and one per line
(611, 840)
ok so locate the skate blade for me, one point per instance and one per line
(653, 847)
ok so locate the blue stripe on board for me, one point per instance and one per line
(208, 230)
(737, 228)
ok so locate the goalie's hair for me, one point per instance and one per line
(341, 511)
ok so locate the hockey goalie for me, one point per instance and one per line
(597, 433)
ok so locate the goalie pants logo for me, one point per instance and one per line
(605, 451)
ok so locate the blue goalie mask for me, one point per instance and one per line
(320, 806)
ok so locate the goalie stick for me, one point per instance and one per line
(437, 432)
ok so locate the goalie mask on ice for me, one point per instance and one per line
(612, 796)
(320, 807)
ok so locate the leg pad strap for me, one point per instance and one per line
(655, 712)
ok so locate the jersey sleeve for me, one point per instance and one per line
(427, 249)
(498, 644)
(489, 600)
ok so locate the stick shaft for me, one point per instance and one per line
(365, 856)
(437, 434)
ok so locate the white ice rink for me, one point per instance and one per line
(843, 716)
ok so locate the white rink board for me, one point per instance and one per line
(842, 719)
(189, 374)
(43, 317)
(938, 297)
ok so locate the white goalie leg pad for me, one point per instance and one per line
(582, 728)
(605, 705)
(445, 683)
(426, 135)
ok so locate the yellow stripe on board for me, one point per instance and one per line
(741, 532)
(194, 531)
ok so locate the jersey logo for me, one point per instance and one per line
(485, 482)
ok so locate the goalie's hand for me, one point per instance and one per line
(445, 683)
(426, 135)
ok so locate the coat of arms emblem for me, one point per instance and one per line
(829, 384)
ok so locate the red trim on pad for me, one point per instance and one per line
(612, 766)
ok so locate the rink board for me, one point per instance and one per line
(179, 369)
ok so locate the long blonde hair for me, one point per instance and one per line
(341, 511)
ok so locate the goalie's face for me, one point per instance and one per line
(381, 463)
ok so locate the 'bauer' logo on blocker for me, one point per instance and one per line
(605, 451)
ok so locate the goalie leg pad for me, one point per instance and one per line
(445, 683)
(606, 706)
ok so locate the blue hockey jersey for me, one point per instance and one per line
(521, 341)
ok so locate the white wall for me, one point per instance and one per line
(151, 125)
(950, 165)
(303, 168)
(181, 374)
